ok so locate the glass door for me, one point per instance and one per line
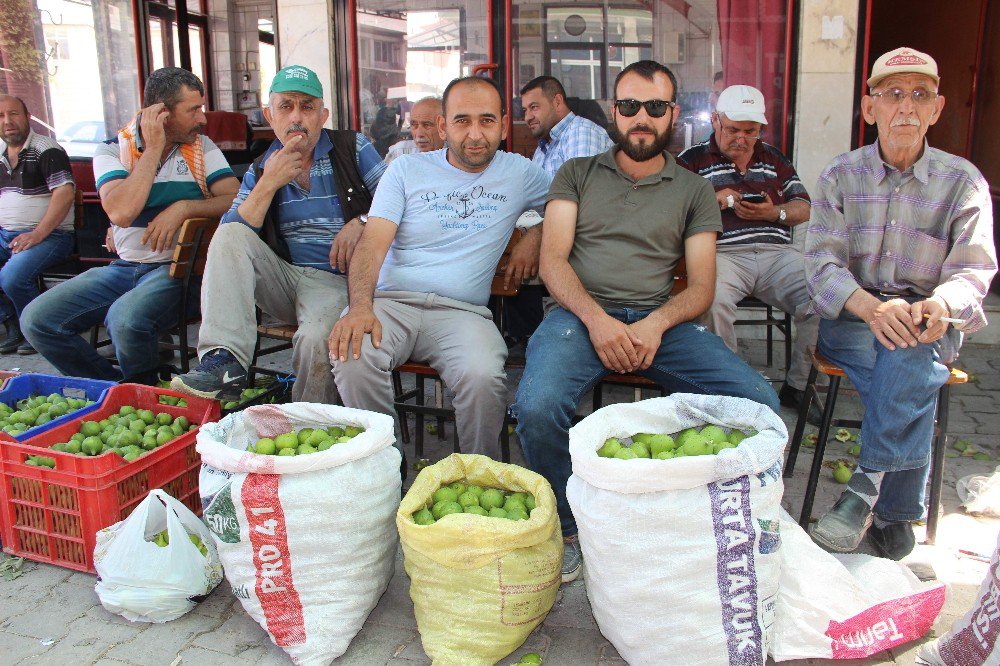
(409, 50)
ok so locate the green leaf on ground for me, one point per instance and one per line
(10, 568)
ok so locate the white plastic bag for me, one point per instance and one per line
(144, 582)
(681, 556)
(308, 542)
(846, 606)
(980, 494)
(972, 640)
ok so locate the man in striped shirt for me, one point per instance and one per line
(899, 257)
(761, 198)
(296, 273)
(36, 215)
(158, 172)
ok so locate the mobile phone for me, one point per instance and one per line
(753, 197)
(138, 132)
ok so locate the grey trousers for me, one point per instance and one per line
(776, 275)
(457, 339)
(242, 271)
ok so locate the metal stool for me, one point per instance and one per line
(835, 373)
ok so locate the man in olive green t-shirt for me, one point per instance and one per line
(615, 227)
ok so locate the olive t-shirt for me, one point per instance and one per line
(630, 234)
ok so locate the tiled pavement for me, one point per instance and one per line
(50, 615)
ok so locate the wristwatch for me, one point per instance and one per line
(782, 215)
(363, 219)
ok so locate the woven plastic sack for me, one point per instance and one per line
(681, 557)
(480, 585)
(307, 542)
(144, 582)
(972, 640)
(846, 606)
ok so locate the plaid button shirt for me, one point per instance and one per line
(925, 231)
(573, 136)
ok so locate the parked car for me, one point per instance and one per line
(81, 139)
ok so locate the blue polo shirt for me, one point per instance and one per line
(308, 221)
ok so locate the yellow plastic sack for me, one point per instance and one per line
(480, 585)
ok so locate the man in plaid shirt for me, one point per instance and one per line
(899, 256)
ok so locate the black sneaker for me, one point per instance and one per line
(219, 376)
(789, 396)
(14, 338)
(893, 541)
(25, 349)
(572, 558)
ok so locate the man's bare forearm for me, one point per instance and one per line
(796, 212)
(363, 276)
(124, 203)
(254, 207)
(214, 206)
(564, 285)
(685, 306)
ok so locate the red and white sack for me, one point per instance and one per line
(846, 606)
(307, 542)
(972, 640)
(682, 556)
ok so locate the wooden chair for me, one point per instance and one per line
(188, 264)
(821, 364)
(783, 323)
(422, 372)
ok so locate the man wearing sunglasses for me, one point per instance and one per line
(616, 225)
(901, 237)
(761, 198)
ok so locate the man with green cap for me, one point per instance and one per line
(285, 244)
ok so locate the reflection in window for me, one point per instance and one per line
(407, 54)
(587, 46)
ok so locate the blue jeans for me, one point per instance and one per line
(562, 367)
(899, 392)
(19, 272)
(135, 301)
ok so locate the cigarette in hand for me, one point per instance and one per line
(950, 320)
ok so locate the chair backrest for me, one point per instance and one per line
(191, 250)
(78, 218)
(497, 288)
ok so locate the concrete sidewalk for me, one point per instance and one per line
(50, 615)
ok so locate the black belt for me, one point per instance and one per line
(892, 294)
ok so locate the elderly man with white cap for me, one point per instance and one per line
(899, 257)
(761, 198)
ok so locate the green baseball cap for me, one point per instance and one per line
(296, 78)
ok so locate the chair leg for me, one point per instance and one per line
(439, 403)
(770, 338)
(598, 399)
(937, 466)
(505, 437)
(800, 423)
(397, 390)
(817, 465)
(787, 330)
(418, 438)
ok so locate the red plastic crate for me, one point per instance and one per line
(53, 515)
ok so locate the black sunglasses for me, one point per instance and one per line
(656, 108)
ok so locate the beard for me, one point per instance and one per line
(642, 151)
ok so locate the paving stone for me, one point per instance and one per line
(571, 646)
(375, 645)
(237, 633)
(86, 641)
(196, 656)
(158, 644)
(265, 654)
(52, 617)
(572, 608)
(20, 649)
(219, 603)
(395, 608)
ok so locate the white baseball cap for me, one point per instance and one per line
(741, 103)
(903, 60)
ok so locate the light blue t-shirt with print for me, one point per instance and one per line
(453, 225)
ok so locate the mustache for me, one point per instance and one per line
(905, 121)
(296, 127)
(641, 128)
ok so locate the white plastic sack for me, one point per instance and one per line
(143, 582)
(307, 542)
(972, 640)
(980, 494)
(681, 556)
(846, 606)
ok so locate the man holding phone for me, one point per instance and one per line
(159, 171)
(761, 199)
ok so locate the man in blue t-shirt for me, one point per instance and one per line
(421, 275)
(295, 186)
